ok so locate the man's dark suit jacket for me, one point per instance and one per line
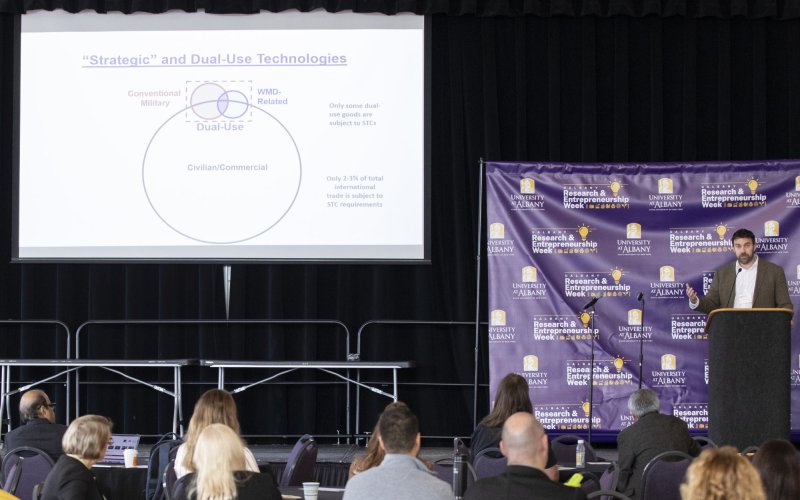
(38, 433)
(519, 482)
(771, 289)
(651, 434)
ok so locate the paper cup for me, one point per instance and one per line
(311, 491)
(130, 457)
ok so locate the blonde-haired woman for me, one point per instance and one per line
(722, 474)
(214, 407)
(219, 460)
(84, 443)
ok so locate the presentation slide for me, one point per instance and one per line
(292, 136)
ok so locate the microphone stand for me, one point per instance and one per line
(591, 375)
(641, 340)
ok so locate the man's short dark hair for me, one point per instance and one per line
(31, 411)
(743, 233)
(399, 428)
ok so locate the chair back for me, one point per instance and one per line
(704, 442)
(663, 475)
(608, 494)
(169, 479)
(181, 486)
(37, 491)
(610, 477)
(564, 449)
(489, 462)
(301, 461)
(750, 452)
(24, 468)
(459, 448)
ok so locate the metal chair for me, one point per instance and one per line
(610, 477)
(705, 442)
(169, 479)
(459, 448)
(750, 452)
(24, 468)
(607, 494)
(564, 449)
(662, 476)
(489, 462)
(301, 461)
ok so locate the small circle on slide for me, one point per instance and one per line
(232, 104)
(204, 101)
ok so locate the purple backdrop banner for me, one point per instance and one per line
(560, 234)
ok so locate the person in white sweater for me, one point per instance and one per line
(214, 407)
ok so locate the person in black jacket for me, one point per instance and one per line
(651, 433)
(220, 470)
(512, 396)
(525, 444)
(38, 429)
(85, 443)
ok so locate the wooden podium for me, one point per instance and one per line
(749, 357)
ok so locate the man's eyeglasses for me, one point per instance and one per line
(49, 405)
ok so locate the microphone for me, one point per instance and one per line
(640, 297)
(733, 290)
(593, 301)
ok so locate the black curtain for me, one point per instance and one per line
(598, 82)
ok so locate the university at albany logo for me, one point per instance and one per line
(634, 317)
(665, 185)
(527, 186)
(633, 231)
(772, 228)
(497, 231)
(529, 274)
(530, 363)
(669, 362)
(498, 317)
(666, 274)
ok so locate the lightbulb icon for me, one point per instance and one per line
(721, 230)
(585, 317)
(615, 187)
(618, 362)
(616, 274)
(753, 185)
(583, 231)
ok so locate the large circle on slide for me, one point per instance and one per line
(221, 181)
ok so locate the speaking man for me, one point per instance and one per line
(748, 282)
(38, 430)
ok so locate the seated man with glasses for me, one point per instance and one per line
(38, 429)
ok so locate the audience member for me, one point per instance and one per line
(219, 459)
(37, 428)
(722, 474)
(777, 463)
(512, 397)
(85, 443)
(650, 434)
(215, 406)
(401, 475)
(524, 443)
(374, 454)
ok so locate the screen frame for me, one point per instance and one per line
(15, 184)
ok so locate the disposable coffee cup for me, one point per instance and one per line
(311, 491)
(130, 457)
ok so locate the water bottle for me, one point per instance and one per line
(458, 476)
(580, 455)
